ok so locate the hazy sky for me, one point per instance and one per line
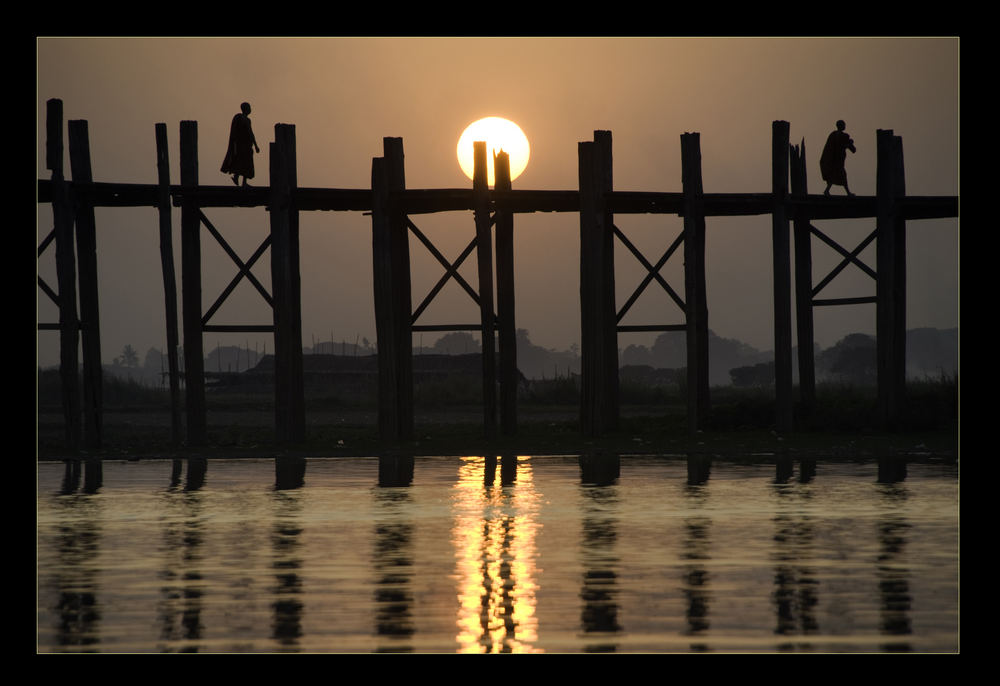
(345, 94)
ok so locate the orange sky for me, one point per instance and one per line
(345, 95)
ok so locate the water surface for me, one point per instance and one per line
(526, 554)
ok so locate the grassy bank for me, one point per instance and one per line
(137, 424)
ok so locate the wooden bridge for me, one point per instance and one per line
(393, 206)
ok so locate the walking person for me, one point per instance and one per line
(242, 143)
(831, 162)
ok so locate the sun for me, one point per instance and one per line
(499, 134)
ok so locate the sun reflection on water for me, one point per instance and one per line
(493, 535)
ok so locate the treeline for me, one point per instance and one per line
(930, 353)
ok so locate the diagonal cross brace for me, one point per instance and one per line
(451, 270)
(244, 269)
(41, 284)
(654, 272)
(848, 257)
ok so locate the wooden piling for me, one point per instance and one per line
(169, 278)
(598, 318)
(782, 277)
(803, 283)
(507, 334)
(890, 257)
(289, 400)
(69, 324)
(391, 276)
(194, 355)
(696, 302)
(484, 254)
(86, 256)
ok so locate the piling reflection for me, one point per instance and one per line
(892, 570)
(197, 467)
(395, 470)
(181, 551)
(286, 625)
(392, 558)
(599, 592)
(695, 545)
(76, 579)
(289, 472)
(92, 471)
(71, 477)
(796, 594)
(493, 535)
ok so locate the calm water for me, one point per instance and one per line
(539, 554)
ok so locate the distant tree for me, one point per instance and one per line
(129, 357)
(154, 361)
(457, 343)
(851, 359)
(636, 355)
(761, 374)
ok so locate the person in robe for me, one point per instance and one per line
(239, 154)
(831, 162)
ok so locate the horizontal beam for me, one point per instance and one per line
(652, 327)
(447, 327)
(844, 301)
(238, 328)
(417, 201)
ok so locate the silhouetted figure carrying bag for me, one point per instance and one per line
(831, 162)
(242, 143)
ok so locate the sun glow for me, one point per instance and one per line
(499, 134)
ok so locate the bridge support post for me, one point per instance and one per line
(484, 254)
(86, 249)
(598, 320)
(194, 356)
(169, 279)
(69, 323)
(890, 257)
(782, 277)
(507, 333)
(696, 302)
(289, 400)
(803, 284)
(393, 308)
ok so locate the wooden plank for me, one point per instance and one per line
(782, 277)
(289, 404)
(194, 355)
(803, 283)
(427, 201)
(696, 301)
(69, 323)
(90, 320)
(484, 254)
(169, 279)
(507, 335)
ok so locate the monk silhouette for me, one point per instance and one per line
(239, 155)
(831, 162)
